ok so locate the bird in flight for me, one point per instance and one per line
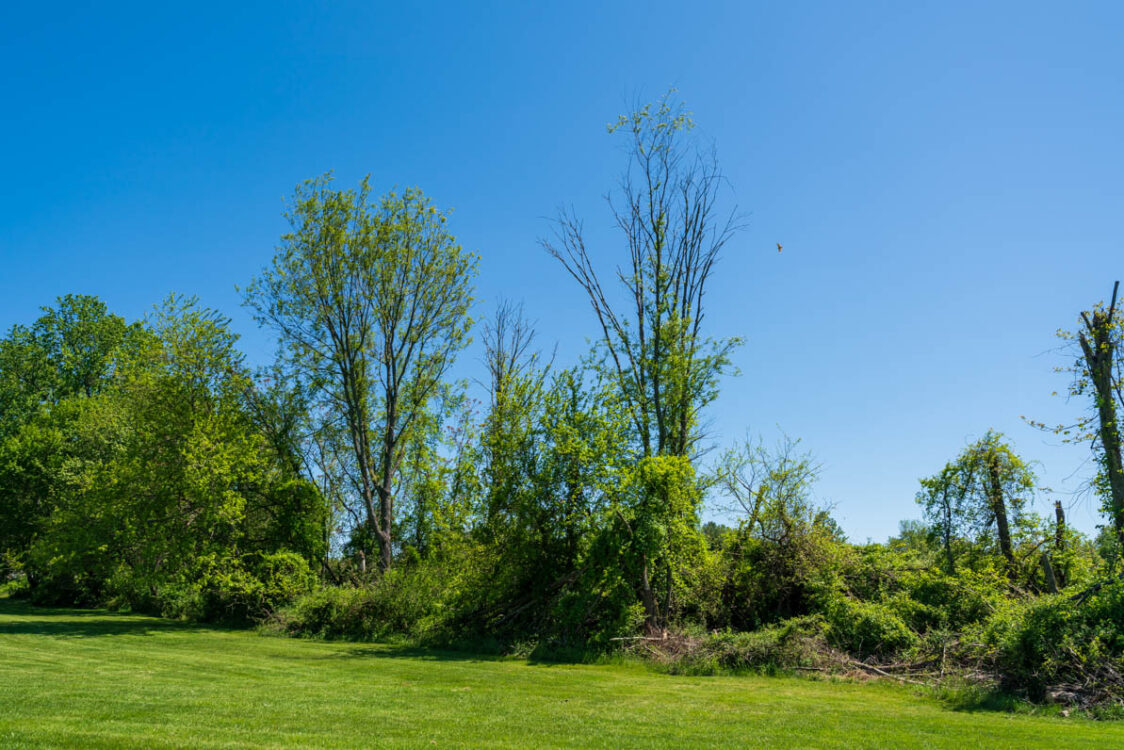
(778, 247)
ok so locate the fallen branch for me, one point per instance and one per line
(876, 670)
(1081, 597)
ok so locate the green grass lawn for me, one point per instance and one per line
(97, 679)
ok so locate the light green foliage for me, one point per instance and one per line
(662, 514)
(555, 454)
(667, 369)
(978, 501)
(370, 301)
(72, 349)
(69, 354)
(867, 628)
(161, 477)
(241, 590)
(438, 478)
(786, 550)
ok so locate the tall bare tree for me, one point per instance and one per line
(508, 339)
(667, 212)
(516, 375)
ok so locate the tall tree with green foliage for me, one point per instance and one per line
(371, 302)
(165, 474)
(666, 367)
(1100, 342)
(1097, 376)
(72, 351)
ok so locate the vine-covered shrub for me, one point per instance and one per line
(413, 601)
(235, 591)
(253, 587)
(867, 628)
(1059, 643)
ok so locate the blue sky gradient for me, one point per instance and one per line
(946, 179)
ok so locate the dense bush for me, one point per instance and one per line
(251, 588)
(867, 628)
(414, 601)
(1074, 646)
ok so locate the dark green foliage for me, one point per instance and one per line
(143, 476)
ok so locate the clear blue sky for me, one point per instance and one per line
(946, 179)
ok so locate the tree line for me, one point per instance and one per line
(353, 488)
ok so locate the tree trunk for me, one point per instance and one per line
(648, 597)
(999, 508)
(390, 437)
(1059, 537)
(386, 516)
(947, 534)
(1048, 570)
(1098, 358)
(1059, 526)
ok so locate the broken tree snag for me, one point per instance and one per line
(1059, 526)
(1059, 538)
(999, 509)
(1098, 345)
(1048, 570)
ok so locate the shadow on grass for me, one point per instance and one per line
(991, 699)
(396, 651)
(470, 652)
(82, 623)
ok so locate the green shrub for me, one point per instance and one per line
(867, 628)
(1055, 641)
(952, 601)
(331, 612)
(234, 591)
(247, 589)
(408, 601)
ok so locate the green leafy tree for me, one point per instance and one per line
(370, 300)
(72, 351)
(166, 478)
(786, 544)
(759, 479)
(1097, 377)
(982, 494)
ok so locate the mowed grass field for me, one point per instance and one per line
(71, 678)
